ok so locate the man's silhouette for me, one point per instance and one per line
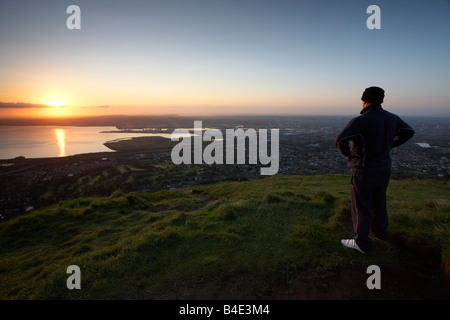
(367, 141)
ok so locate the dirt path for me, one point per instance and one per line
(419, 277)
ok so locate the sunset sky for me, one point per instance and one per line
(222, 57)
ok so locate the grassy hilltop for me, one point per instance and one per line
(273, 238)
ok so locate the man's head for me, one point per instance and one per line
(373, 95)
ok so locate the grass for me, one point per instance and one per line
(141, 245)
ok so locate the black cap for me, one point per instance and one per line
(373, 94)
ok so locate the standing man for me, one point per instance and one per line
(367, 141)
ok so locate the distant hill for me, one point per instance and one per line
(120, 121)
(272, 238)
(141, 143)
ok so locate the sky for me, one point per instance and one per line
(222, 57)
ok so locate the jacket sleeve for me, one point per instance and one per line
(350, 133)
(403, 133)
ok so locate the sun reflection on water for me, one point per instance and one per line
(61, 140)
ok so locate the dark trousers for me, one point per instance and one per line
(369, 213)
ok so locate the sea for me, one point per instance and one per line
(59, 141)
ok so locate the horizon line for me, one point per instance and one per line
(186, 115)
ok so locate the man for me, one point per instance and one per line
(367, 141)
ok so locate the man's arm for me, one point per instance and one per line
(404, 133)
(351, 132)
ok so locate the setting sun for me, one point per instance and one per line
(56, 103)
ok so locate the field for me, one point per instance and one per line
(273, 238)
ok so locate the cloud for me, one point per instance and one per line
(21, 105)
(26, 105)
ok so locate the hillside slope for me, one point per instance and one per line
(273, 238)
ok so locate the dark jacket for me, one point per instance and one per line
(368, 139)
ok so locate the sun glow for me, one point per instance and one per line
(57, 107)
(56, 103)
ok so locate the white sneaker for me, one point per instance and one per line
(351, 243)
